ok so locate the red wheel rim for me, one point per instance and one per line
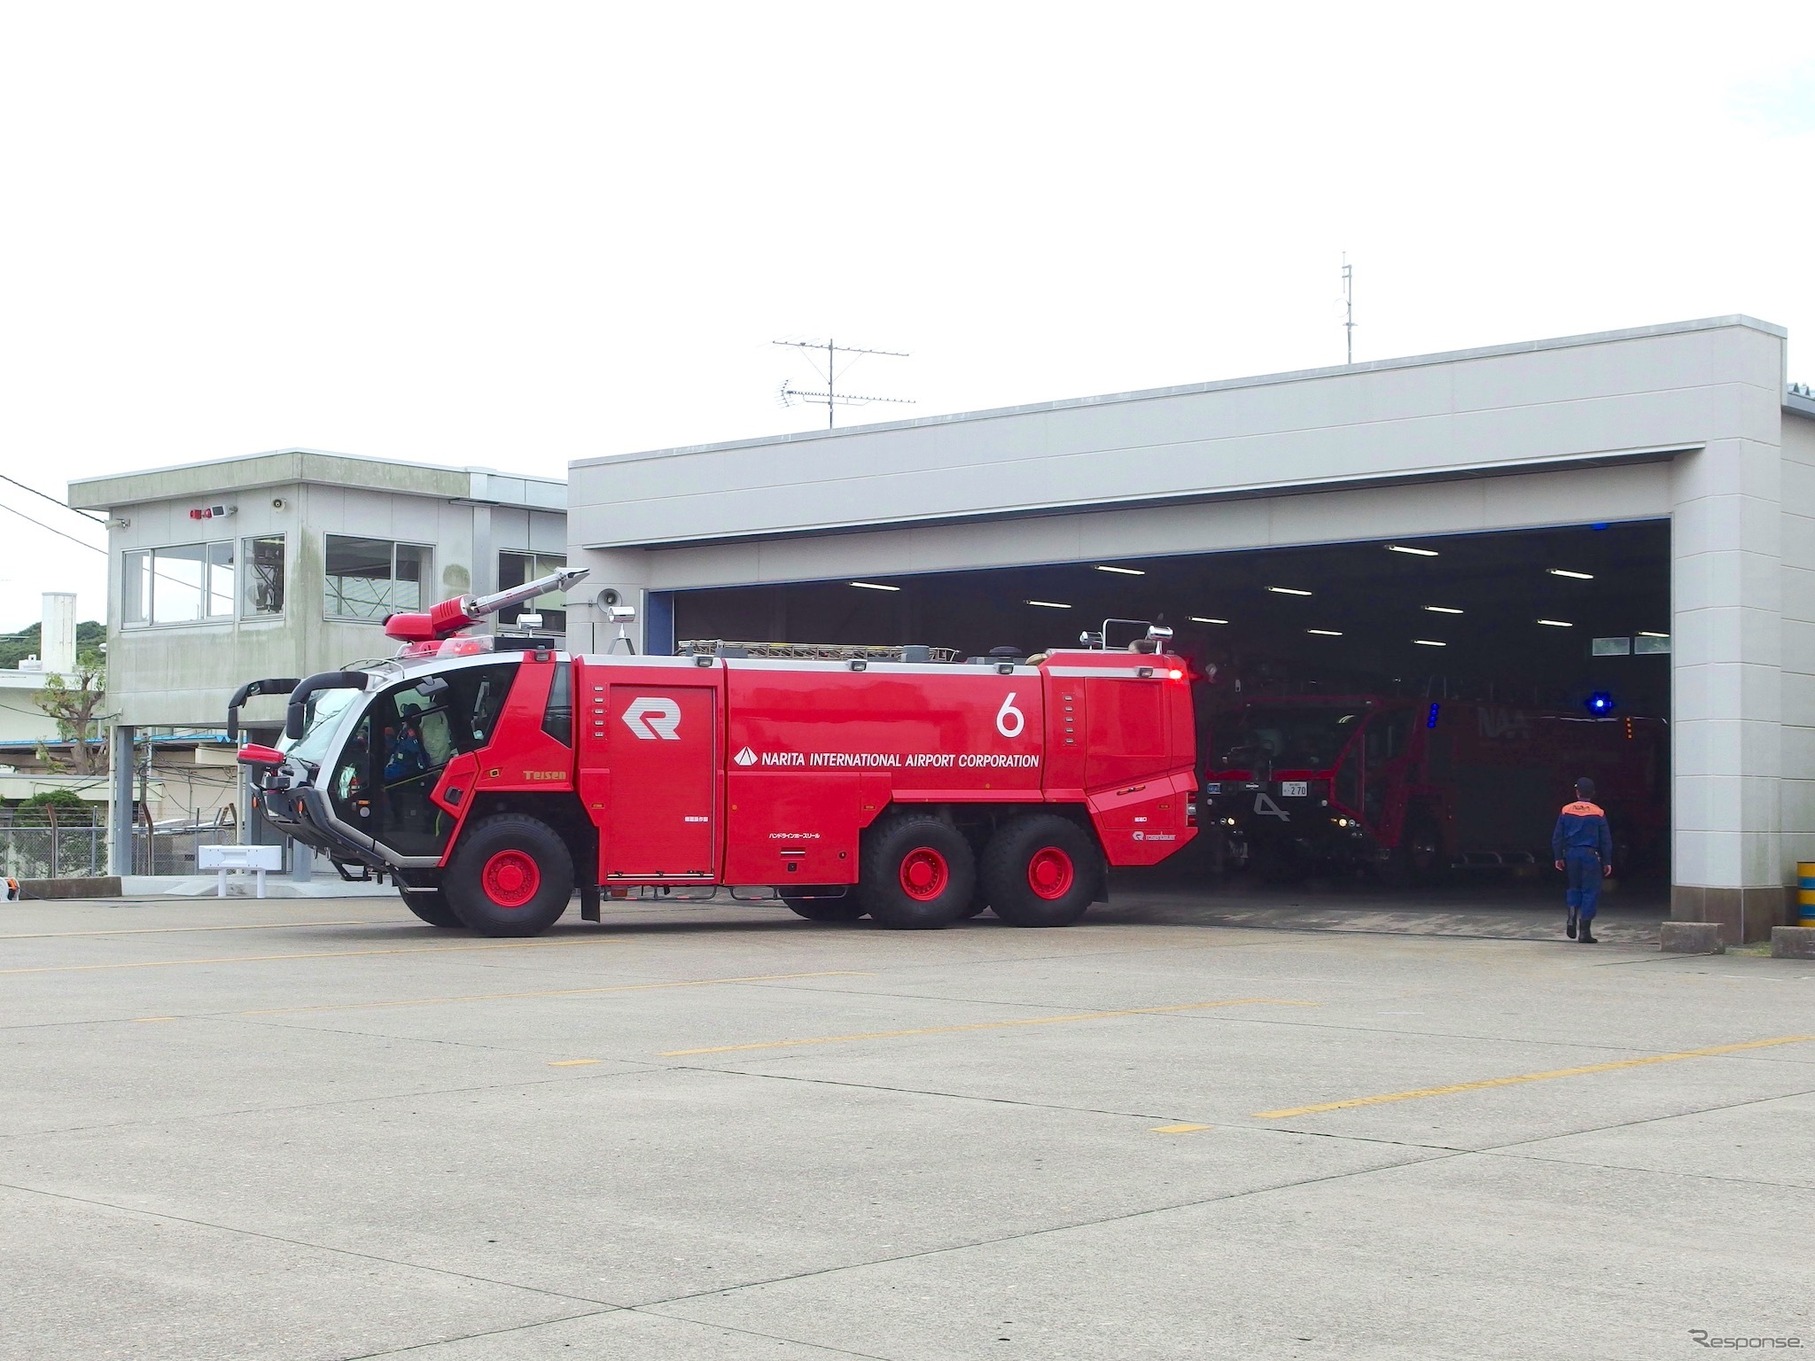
(1050, 873)
(924, 874)
(510, 878)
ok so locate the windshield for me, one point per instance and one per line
(323, 716)
(1296, 738)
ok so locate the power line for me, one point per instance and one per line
(178, 581)
(41, 525)
(53, 500)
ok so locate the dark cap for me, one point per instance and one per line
(1585, 787)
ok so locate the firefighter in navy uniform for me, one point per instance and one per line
(1583, 847)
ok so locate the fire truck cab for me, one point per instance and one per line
(492, 777)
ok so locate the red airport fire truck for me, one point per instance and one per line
(1410, 788)
(491, 776)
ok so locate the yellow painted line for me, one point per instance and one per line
(554, 992)
(570, 1063)
(1179, 1129)
(1711, 1051)
(980, 1025)
(312, 954)
(171, 930)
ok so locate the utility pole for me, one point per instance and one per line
(1348, 305)
(831, 397)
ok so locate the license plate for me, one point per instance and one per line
(1294, 789)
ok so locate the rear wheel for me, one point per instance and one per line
(510, 876)
(918, 873)
(430, 905)
(1042, 870)
(831, 907)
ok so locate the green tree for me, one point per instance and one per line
(16, 647)
(63, 806)
(75, 704)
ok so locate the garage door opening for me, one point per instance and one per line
(1555, 638)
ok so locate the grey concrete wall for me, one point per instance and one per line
(1660, 389)
(227, 479)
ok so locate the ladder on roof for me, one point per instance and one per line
(816, 652)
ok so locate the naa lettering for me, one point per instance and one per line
(1497, 723)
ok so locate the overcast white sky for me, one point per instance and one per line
(514, 235)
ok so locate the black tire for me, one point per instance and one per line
(511, 875)
(827, 908)
(430, 905)
(1417, 861)
(918, 873)
(1042, 870)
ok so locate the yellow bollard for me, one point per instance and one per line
(1805, 892)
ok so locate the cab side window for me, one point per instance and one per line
(350, 787)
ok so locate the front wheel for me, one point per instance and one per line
(430, 905)
(1417, 861)
(1042, 870)
(510, 876)
(918, 873)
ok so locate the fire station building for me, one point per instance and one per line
(1628, 515)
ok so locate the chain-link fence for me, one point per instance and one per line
(53, 852)
(80, 852)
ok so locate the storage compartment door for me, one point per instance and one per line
(661, 796)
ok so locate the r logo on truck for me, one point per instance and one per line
(651, 717)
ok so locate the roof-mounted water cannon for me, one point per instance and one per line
(463, 611)
(623, 616)
(1149, 638)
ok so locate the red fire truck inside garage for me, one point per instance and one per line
(1412, 788)
(492, 777)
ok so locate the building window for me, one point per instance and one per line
(187, 583)
(372, 578)
(263, 576)
(516, 568)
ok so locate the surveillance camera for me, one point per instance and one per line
(621, 614)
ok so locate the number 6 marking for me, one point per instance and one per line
(1010, 720)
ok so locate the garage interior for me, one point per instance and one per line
(1571, 618)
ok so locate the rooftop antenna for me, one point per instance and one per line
(1348, 304)
(831, 398)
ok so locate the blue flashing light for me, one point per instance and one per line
(1430, 719)
(1600, 704)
